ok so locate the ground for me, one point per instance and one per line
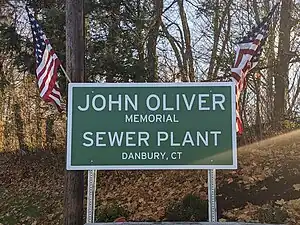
(268, 175)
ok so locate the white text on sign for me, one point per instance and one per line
(153, 102)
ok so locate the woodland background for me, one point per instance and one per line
(146, 41)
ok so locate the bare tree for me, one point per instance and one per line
(188, 60)
(281, 77)
(152, 39)
(219, 18)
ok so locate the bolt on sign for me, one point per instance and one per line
(151, 126)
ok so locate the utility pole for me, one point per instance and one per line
(75, 48)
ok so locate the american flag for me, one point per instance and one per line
(47, 64)
(247, 54)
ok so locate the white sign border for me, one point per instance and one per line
(151, 167)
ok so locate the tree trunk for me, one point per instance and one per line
(50, 135)
(243, 113)
(38, 134)
(141, 73)
(225, 42)
(1, 135)
(271, 63)
(112, 40)
(172, 42)
(152, 40)
(20, 128)
(258, 127)
(256, 11)
(188, 56)
(217, 31)
(281, 78)
(74, 180)
(7, 117)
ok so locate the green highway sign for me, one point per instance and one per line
(151, 126)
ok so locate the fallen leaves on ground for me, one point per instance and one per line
(37, 181)
(246, 214)
(293, 209)
(296, 187)
(280, 202)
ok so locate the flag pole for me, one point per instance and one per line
(68, 78)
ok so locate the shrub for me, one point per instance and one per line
(272, 214)
(190, 208)
(110, 212)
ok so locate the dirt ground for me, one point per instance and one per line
(268, 174)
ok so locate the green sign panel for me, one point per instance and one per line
(151, 126)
